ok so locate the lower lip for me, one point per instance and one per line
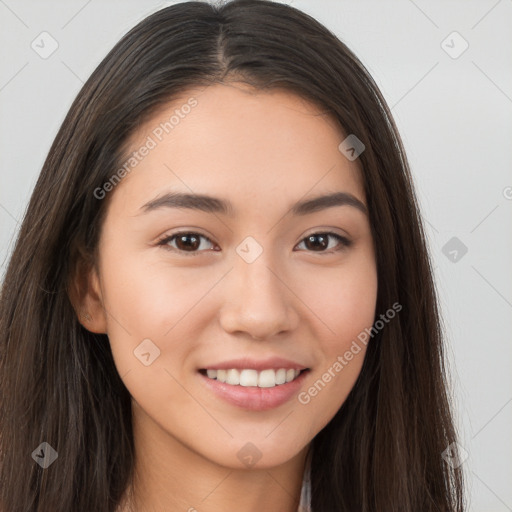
(255, 398)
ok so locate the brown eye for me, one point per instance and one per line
(191, 244)
(186, 242)
(319, 242)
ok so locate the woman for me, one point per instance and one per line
(221, 295)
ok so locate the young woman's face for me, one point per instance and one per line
(188, 284)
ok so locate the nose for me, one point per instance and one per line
(258, 300)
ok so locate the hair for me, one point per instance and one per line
(382, 451)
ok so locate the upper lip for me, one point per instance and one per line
(242, 363)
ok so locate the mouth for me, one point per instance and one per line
(268, 378)
(253, 390)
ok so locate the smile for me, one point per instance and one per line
(268, 378)
(254, 390)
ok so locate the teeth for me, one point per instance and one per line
(290, 375)
(248, 377)
(264, 379)
(267, 379)
(232, 377)
(281, 376)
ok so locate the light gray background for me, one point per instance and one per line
(455, 117)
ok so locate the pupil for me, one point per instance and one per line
(181, 238)
(321, 236)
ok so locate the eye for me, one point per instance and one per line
(320, 241)
(190, 242)
(186, 242)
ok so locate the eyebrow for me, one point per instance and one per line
(211, 204)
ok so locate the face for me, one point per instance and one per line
(250, 280)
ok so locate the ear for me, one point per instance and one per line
(85, 294)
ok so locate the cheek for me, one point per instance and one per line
(344, 302)
(149, 298)
(343, 299)
(148, 310)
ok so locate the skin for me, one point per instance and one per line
(263, 151)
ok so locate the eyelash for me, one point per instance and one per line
(344, 242)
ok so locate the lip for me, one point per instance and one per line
(254, 398)
(274, 363)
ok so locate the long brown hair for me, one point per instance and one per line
(382, 451)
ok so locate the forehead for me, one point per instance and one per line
(233, 140)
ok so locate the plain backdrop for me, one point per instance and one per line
(445, 69)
